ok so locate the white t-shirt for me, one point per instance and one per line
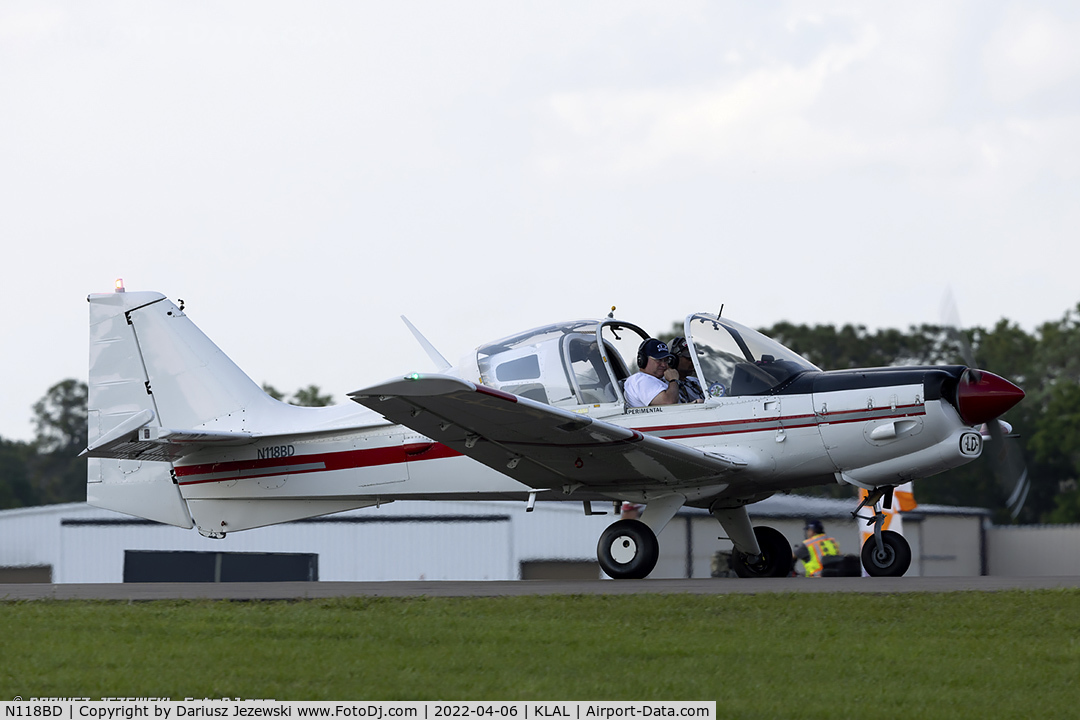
(640, 389)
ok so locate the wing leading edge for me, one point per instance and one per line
(539, 445)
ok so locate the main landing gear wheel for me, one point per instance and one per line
(894, 558)
(628, 550)
(775, 561)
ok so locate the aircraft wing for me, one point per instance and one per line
(136, 439)
(540, 445)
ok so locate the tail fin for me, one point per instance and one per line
(155, 376)
(146, 354)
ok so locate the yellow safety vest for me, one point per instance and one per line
(819, 546)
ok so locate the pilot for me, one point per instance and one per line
(689, 387)
(815, 548)
(656, 382)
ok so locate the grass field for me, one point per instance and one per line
(1008, 654)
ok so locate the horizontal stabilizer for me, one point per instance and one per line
(136, 439)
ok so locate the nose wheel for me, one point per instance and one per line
(885, 553)
(891, 559)
(628, 550)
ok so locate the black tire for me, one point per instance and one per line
(776, 559)
(894, 562)
(628, 550)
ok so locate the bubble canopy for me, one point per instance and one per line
(733, 359)
(583, 362)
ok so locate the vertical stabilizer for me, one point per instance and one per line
(118, 395)
(151, 367)
(187, 380)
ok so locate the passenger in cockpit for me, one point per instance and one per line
(656, 382)
(689, 387)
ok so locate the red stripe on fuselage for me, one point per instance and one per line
(347, 460)
(789, 422)
(718, 428)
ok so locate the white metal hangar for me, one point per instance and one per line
(76, 543)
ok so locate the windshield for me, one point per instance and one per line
(736, 360)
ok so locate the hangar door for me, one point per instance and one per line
(192, 566)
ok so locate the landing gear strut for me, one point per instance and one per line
(886, 554)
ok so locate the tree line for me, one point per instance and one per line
(1045, 363)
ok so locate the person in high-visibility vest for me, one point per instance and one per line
(815, 547)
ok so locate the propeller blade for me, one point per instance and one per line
(950, 320)
(987, 397)
(1009, 467)
(1016, 501)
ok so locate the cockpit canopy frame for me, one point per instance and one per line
(561, 364)
(732, 359)
(584, 362)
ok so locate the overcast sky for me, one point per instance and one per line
(301, 174)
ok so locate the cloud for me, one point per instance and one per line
(30, 26)
(759, 119)
(849, 95)
(1033, 52)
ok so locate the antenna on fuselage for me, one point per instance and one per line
(721, 313)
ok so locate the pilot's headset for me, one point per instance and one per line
(642, 356)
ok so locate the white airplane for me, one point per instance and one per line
(180, 435)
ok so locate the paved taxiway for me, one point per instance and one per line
(449, 588)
